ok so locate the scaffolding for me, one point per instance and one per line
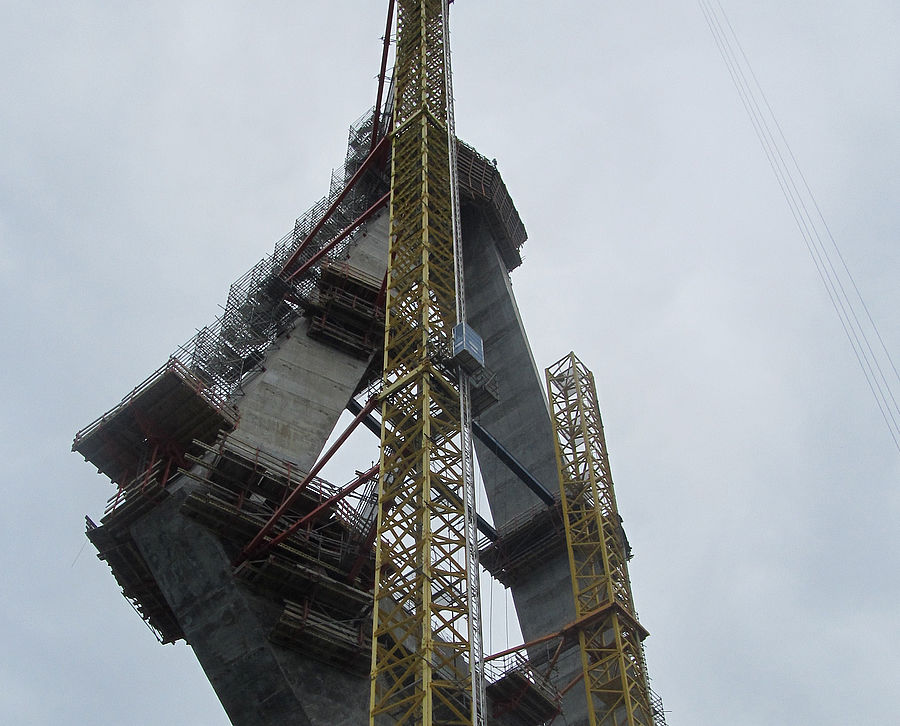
(481, 187)
(345, 645)
(524, 543)
(346, 310)
(156, 422)
(266, 301)
(517, 690)
(243, 486)
(312, 572)
(115, 546)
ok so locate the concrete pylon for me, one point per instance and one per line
(283, 639)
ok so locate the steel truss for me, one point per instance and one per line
(609, 633)
(420, 663)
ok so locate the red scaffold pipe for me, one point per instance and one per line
(341, 235)
(258, 544)
(308, 518)
(369, 160)
(376, 116)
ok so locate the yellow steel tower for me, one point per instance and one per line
(608, 630)
(421, 664)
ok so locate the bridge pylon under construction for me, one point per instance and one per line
(222, 533)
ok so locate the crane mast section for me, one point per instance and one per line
(421, 619)
(610, 636)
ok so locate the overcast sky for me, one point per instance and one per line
(151, 152)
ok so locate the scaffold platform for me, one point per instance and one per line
(345, 310)
(116, 547)
(482, 187)
(524, 542)
(517, 690)
(162, 416)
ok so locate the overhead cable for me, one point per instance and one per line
(865, 339)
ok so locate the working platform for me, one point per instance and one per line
(516, 690)
(308, 573)
(242, 488)
(482, 187)
(346, 645)
(115, 546)
(288, 579)
(524, 542)
(161, 418)
(138, 585)
(346, 311)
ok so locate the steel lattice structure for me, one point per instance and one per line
(420, 663)
(609, 633)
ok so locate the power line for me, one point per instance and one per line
(855, 318)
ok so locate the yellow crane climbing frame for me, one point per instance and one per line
(421, 671)
(609, 634)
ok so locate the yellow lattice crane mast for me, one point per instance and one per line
(424, 664)
(609, 634)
